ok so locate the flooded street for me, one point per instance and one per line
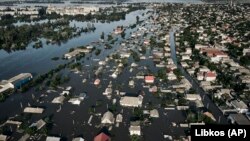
(84, 120)
(69, 120)
(39, 61)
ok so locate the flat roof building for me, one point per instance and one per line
(129, 101)
(239, 119)
(49, 138)
(33, 110)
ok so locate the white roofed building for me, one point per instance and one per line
(154, 113)
(49, 138)
(108, 118)
(129, 101)
(193, 97)
(240, 106)
(135, 128)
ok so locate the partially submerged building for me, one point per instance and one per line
(15, 82)
(108, 118)
(130, 101)
(102, 137)
(34, 110)
(135, 128)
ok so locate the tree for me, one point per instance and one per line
(97, 52)
(137, 112)
(110, 37)
(102, 35)
(153, 40)
(137, 19)
(123, 34)
(245, 60)
(135, 138)
(178, 73)
(182, 102)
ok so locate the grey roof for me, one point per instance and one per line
(239, 104)
(240, 119)
(21, 76)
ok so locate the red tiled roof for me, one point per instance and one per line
(102, 137)
(210, 74)
(212, 52)
(148, 78)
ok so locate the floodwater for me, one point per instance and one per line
(167, 1)
(38, 61)
(72, 120)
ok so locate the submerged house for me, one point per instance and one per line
(3, 137)
(15, 82)
(39, 124)
(102, 137)
(33, 110)
(154, 113)
(130, 101)
(97, 82)
(78, 139)
(50, 138)
(149, 79)
(75, 101)
(119, 118)
(108, 118)
(58, 100)
(135, 128)
(20, 79)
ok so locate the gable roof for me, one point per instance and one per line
(210, 74)
(102, 137)
(149, 78)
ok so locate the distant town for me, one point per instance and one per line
(129, 71)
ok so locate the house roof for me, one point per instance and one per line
(149, 78)
(78, 139)
(102, 137)
(108, 117)
(52, 138)
(21, 76)
(131, 101)
(119, 118)
(213, 52)
(134, 128)
(239, 104)
(3, 137)
(210, 74)
(154, 113)
(240, 119)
